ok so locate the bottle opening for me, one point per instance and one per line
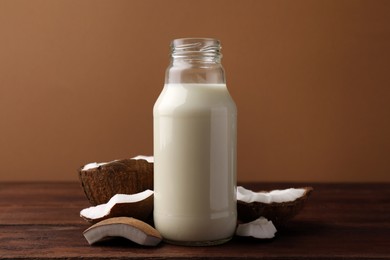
(196, 49)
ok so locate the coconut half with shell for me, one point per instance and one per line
(279, 206)
(101, 181)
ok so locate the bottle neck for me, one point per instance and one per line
(195, 60)
(196, 50)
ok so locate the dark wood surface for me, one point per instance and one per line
(340, 221)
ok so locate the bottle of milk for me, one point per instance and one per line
(195, 148)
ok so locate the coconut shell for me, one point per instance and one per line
(127, 176)
(279, 213)
(130, 228)
(141, 210)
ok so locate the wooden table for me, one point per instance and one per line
(340, 221)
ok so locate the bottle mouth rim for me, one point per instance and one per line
(192, 47)
(198, 40)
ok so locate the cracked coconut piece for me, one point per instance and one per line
(129, 228)
(138, 205)
(259, 228)
(101, 181)
(279, 206)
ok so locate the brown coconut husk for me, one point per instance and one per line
(127, 176)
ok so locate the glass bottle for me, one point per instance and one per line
(195, 148)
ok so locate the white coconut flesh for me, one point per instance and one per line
(129, 228)
(275, 196)
(149, 159)
(259, 228)
(93, 165)
(103, 210)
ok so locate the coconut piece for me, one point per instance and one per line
(101, 181)
(129, 228)
(149, 159)
(139, 205)
(279, 206)
(259, 228)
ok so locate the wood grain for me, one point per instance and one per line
(340, 221)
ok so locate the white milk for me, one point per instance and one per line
(195, 163)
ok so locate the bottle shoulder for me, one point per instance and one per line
(194, 97)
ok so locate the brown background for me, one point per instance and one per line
(78, 80)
